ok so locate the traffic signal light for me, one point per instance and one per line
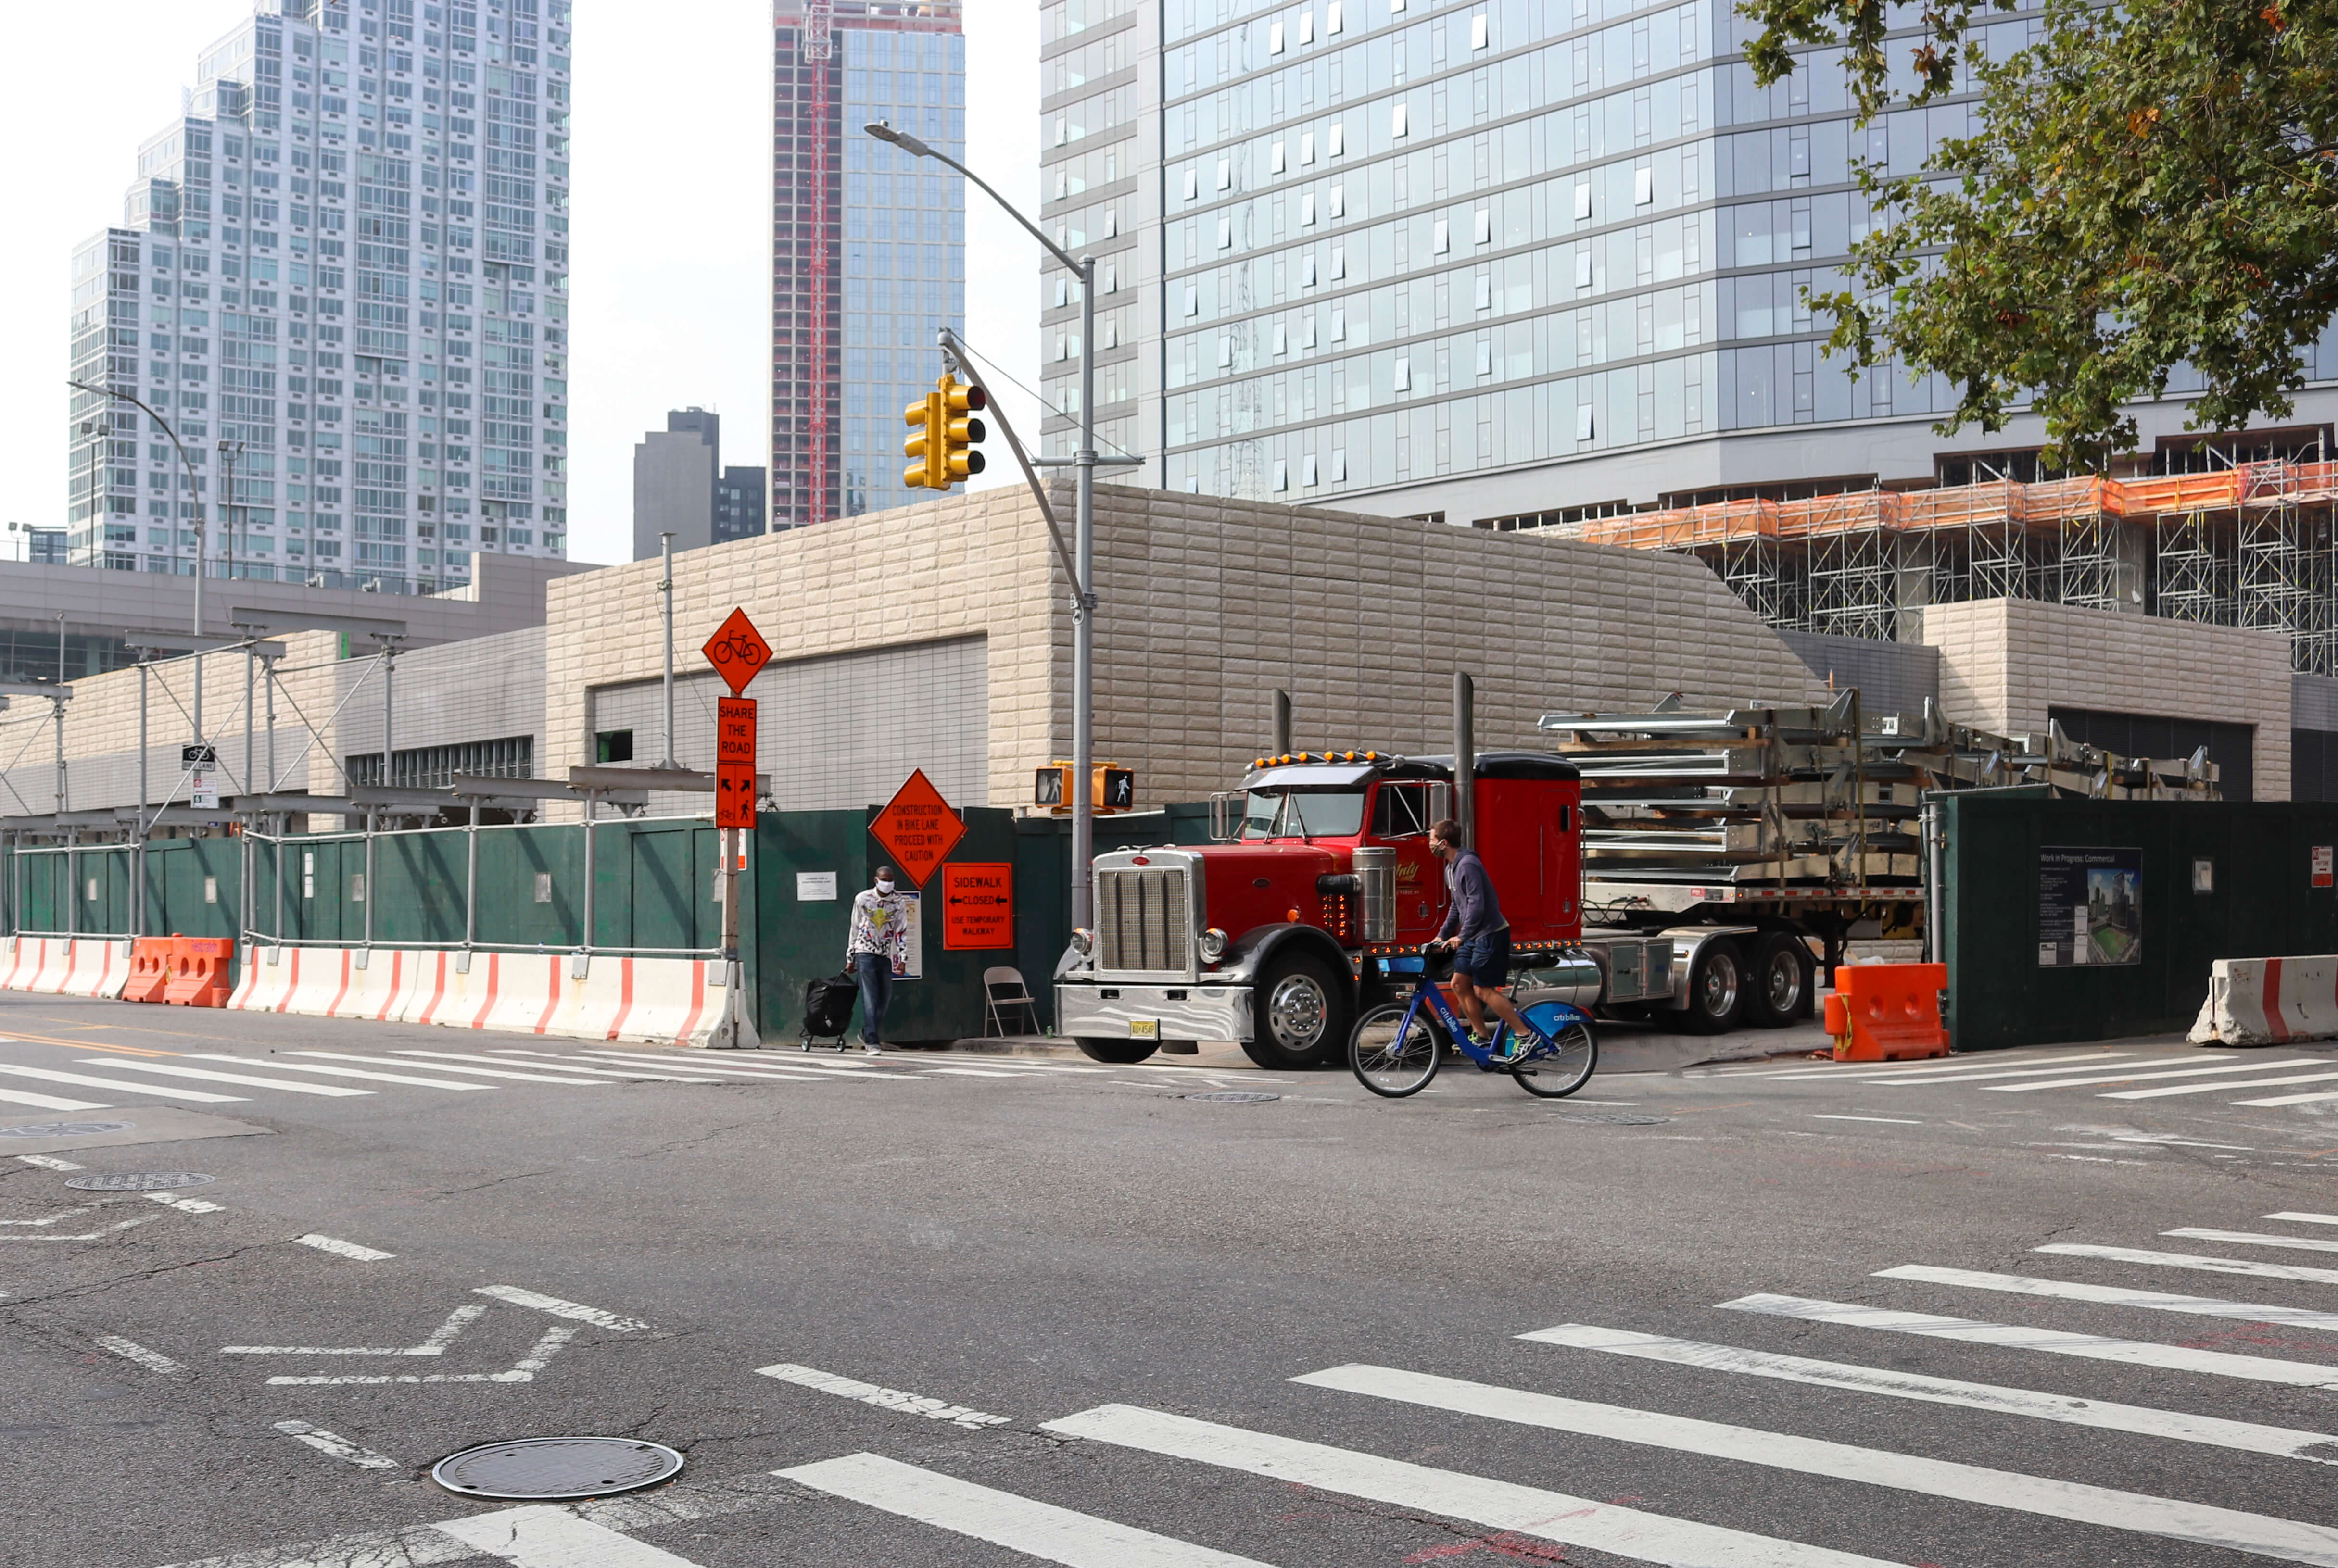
(942, 434)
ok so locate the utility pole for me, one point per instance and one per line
(193, 503)
(666, 592)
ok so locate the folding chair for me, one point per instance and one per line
(1003, 991)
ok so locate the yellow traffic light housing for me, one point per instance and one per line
(923, 445)
(942, 434)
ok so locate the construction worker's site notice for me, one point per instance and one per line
(978, 904)
(918, 828)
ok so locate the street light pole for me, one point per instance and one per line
(193, 501)
(1084, 600)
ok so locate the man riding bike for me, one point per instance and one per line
(1480, 939)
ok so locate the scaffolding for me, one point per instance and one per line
(2247, 544)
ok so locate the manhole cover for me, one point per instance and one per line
(1610, 1118)
(556, 1469)
(140, 1181)
(1235, 1097)
(65, 1129)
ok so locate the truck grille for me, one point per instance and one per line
(1142, 919)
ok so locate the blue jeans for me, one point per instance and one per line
(875, 972)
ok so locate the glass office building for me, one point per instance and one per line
(342, 278)
(868, 244)
(1507, 259)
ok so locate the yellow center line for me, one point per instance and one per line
(91, 1045)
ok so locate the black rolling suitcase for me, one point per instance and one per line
(827, 1009)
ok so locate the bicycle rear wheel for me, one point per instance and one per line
(1391, 1058)
(1560, 1071)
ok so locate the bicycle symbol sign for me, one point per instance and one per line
(737, 651)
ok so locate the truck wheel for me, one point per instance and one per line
(1300, 1017)
(1716, 988)
(1779, 993)
(1119, 1053)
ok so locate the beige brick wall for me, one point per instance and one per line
(2004, 662)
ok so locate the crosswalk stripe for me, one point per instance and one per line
(2288, 1100)
(553, 1063)
(1916, 1072)
(341, 1072)
(52, 1075)
(538, 1536)
(788, 1070)
(473, 1072)
(2257, 1238)
(2052, 1341)
(2142, 1075)
(2118, 1296)
(205, 1074)
(2169, 1518)
(970, 1073)
(1035, 1529)
(2249, 1265)
(2296, 1218)
(1482, 1499)
(2245, 1435)
(626, 1073)
(2221, 1087)
(46, 1101)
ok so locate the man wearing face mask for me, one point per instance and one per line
(877, 950)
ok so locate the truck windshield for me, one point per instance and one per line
(1303, 813)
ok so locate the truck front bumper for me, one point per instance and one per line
(1177, 1012)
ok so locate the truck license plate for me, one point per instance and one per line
(1145, 1028)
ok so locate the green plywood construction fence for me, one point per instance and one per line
(2218, 880)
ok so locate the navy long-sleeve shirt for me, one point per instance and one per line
(1475, 910)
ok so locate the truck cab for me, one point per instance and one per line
(1274, 934)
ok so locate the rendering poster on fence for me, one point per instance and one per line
(913, 942)
(2089, 905)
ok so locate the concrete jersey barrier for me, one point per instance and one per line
(2270, 1001)
(66, 965)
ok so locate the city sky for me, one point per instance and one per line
(673, 172)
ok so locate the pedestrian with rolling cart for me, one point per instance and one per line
(875, 951)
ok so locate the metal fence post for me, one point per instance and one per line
(471, 878)
(585, 946)
(368, 879)
(145, 797)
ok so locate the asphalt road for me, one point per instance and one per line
(1032, 1311)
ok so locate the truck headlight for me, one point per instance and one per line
(1213, 944)
(1083, 941)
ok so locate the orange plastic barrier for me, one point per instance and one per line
(153, 960)
(199, 971)
(1887, 1012)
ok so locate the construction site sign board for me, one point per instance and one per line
(918, 828)
(734, 762)
(737, 651)
(978, 904)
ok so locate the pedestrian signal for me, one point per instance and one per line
(943, 433)
(1111, 788)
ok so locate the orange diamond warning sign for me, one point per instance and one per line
(978, 904)
(737, 651)
(918, 828)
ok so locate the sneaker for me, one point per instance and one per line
(871, 1049)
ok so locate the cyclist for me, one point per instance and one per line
(1480, 939)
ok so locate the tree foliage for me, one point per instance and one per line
(2151, 185)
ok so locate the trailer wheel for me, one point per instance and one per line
(1302, 1016)
(1779, 993)
(1716, 987)
(1119, 1053)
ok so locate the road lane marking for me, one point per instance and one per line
(1920, 1074)
(46, 1103)
(331, 1091)
(131, 1350)
(163, 1090)
(338, 1447)
(2052, 1341)
(50, 1161)
(559, 1309)
(184, 1205)
(434, 1344)
(435, 1056)
(475, 1072)
(2255, 1239)
(2248, 1437)
(99, 1234)
(754, 1070)
(52, 1219)
(883, 1398)
(2288, 1099)
(2118, 1296)
(284, 1066)
(1035, 1529)
(1482, 1499)
(2138, 1076)
(1894, 1121)
(970, 1073)
(522, 1371)
(2223, 1087)
(344, 1249)
(2168, 1518)
(539, 1535)
(2189, 1260)
(2287, 1214)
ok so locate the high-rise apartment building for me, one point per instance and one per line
(868, 244)
(342, 277)
(1501, 259)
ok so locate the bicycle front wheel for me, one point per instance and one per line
(1560, 1071)
(1391, 1057)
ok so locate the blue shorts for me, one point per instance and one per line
(1485, 959)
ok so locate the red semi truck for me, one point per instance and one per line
(1276, 935)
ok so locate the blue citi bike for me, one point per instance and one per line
(1397, 1047)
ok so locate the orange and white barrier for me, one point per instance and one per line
(67, 966)
(2270, 1001)
(663, 1001)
